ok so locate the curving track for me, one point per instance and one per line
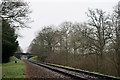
(75, 74)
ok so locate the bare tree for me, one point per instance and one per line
(46, 43)
(16, 12)
(99, 29)
(65, 32)
(116, 34)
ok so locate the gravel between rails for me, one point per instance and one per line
(36, 71)
(86, 77)
(75, 74)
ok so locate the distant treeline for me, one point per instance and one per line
(93, 45)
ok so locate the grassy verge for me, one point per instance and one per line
(13, 70)
(0, 71)
(34, 58)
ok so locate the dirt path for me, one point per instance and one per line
(35, 71)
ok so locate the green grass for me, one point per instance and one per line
(64, 66)
(34, 58)
(0, 71)
(13, 58)
(13, 70)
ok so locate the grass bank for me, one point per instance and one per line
(13, 70)
(0, 71)
(34, 58)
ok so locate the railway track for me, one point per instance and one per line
(75, 74)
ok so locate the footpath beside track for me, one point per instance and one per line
(75, 74)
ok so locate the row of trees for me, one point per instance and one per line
(99, 36)
(13, 15)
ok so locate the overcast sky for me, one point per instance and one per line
(49, 12)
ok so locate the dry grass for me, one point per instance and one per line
(94, 63)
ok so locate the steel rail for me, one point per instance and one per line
(89, 73)
(74, 76)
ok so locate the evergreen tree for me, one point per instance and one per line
(9, 43)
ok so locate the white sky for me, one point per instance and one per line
(48, 12)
